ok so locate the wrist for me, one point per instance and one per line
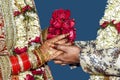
(39, 56)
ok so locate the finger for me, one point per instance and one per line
(57, 53)
(59, 37)
(63, 64)
(62, 47)
(57, 62)
(63, 41)
(67, 44)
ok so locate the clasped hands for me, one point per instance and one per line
(60, 50)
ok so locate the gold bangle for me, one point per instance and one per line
(46, 56)
(41, 57)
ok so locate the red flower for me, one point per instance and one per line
(51, 21)
(17, 13)
(20, 50)
(29, 77)
(64, 31)
(49, 36)
(37, 72)
(72, 35)
(61, 13)
(57, 31)
(51, 29)
(26, 8)
(112, 21)
(105, 24)
(37, 39)
(117, 26)
(57, 23)
(72, 22)
(68, 24)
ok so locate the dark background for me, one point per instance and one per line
(87, 14)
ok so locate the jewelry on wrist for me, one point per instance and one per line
(26, 63)
(33, 60)
(20, 63)
(15, 64)
(35, 53)
(40, 57)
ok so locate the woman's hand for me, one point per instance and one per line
(48, 47)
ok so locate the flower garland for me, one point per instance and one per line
(108, 35)
(27, 28)
(27, 37)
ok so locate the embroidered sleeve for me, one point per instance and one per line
(3, 49)
(103, 61)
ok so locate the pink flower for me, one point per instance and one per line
(72, 22)
(117, 26)
(29, 77)
(72, 35)
(49, 36)
(105, 24)
(64, 31)
(57, 23)
(67, 13)
(37, 40)
(37, 72)
(68, 24)
(51, 29)
(57, 31)
(52, 21)
(20, 50)
(26, 8)
(61, 13)
(17, 13)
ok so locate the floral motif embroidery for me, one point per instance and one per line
(101, 57)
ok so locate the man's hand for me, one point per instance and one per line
(70, 55)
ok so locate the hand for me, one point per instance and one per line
(70, 55)
(47, 47)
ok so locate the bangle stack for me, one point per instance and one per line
(26, 63)
(18, 63)
(40, 57)
(33, 60)
(15, 64)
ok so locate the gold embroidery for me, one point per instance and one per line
(9, 23)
